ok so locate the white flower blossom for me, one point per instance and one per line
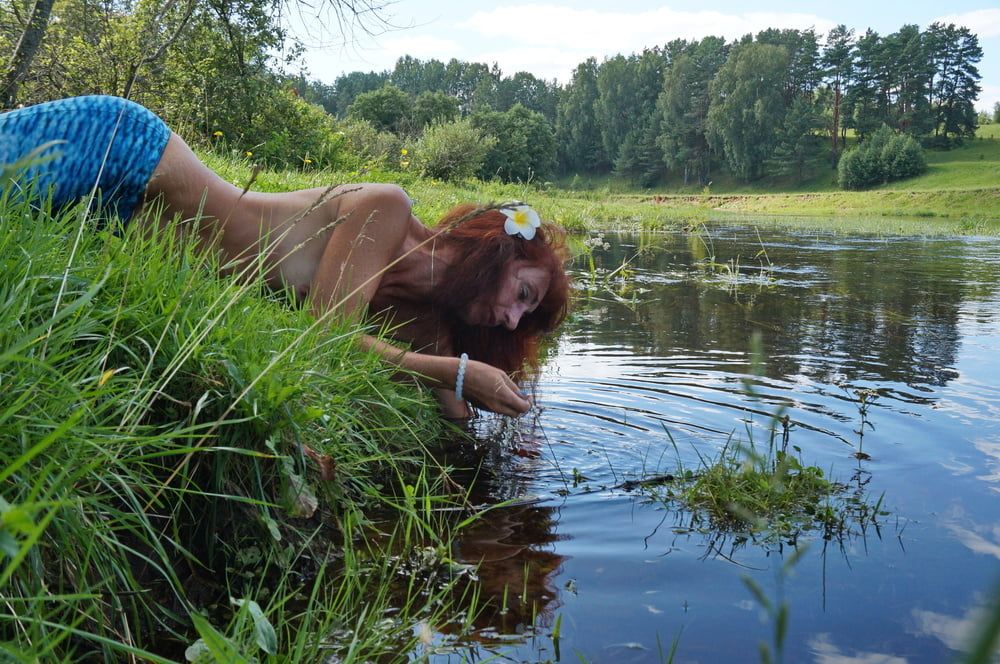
(521, 220)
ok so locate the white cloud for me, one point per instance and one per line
(825, 652)
(622, 31)
(545, 62)
(571, 35)
(380, 55)
(984, 22)
(423, 47)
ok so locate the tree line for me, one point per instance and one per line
(778, 103)
(765, 104)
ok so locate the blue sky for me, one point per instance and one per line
(549, 38)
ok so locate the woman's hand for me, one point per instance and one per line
(493, 389)
(485, 385)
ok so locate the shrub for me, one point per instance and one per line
(284, 131)
(367, 146)
(452, 150)
(295, 133)
(883, 157)
(902, 157)
(525, 147)
(858, 169)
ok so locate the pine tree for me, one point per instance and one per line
(838, 66)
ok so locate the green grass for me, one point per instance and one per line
(960, 189)
(768, 495)
(432, 198)
(959, 194)
(152, 423)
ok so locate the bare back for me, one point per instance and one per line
(293, 237)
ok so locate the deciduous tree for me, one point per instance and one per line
(388, 108)
(578, 133)
(683, 107)
(747, 106)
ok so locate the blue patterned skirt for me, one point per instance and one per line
(69, 148)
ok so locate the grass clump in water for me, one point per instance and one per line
(772, 495)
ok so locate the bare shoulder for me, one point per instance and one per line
(380, 212)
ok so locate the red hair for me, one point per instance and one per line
(484, 251)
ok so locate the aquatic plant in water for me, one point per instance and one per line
(768, 496)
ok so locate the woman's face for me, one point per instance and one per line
(521, 288)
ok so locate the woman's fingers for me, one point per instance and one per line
(510, 396)
(520, 400)
(500, 393)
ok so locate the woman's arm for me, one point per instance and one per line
(484, 384)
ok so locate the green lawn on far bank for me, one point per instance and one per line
(959, 193)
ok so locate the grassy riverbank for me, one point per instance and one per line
(958, 194)
(182, 451)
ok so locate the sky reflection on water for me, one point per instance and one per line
(664, 355)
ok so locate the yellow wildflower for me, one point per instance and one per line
(105, 377)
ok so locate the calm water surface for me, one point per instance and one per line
(666, 351)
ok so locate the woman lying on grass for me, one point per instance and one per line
(472, 296)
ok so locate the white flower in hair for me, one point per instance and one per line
(521, 220)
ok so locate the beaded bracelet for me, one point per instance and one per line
(463, 360)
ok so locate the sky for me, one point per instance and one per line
(549, 38)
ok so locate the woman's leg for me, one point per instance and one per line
(184, 186)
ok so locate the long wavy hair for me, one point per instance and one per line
(484, 251)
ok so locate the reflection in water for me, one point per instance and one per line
(957, 633)
(825, 652)
(991, 452)
(650, 372)
(832, 310)
(512, 540)
(516, 571)
(982, 539)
